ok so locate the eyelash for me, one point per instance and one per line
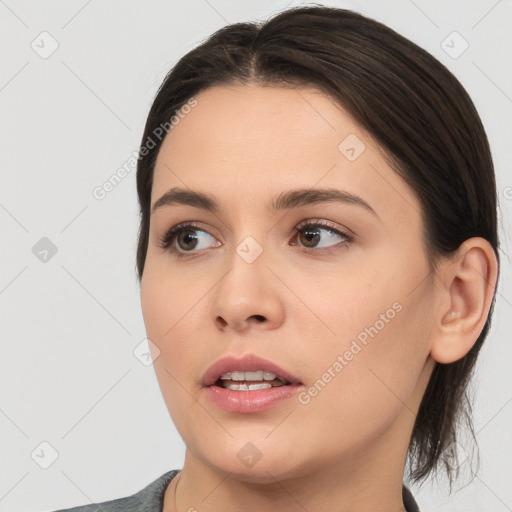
(167, 239)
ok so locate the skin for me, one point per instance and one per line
(345, 449)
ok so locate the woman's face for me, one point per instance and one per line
(347, 315)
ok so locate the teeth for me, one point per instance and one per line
(245, 387)
(259, 375)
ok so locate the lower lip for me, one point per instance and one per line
(256, 400)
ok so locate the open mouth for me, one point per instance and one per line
(251, 390)
(247, 381)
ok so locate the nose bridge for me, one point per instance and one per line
(247, 292)
(246, 278)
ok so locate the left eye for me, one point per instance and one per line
(190, 238)
(311, 235)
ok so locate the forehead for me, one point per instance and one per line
(255, 140)
(257, 121)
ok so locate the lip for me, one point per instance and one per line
(246, 363)
(250, 401)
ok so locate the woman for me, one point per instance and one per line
(318, 258)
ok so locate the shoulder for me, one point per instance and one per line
(149, 499)
(408, 499)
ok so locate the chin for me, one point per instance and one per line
(263, 474)
(251, 465)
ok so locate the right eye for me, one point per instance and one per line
(187, 236)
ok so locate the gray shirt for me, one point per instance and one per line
(151, 499)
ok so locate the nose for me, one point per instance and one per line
(248, 297)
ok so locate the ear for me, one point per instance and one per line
(466, 285)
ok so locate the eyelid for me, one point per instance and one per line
(327, 224)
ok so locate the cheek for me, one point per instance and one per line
(347, 301)
(167, 307)
(374, 291)
(356, 389)
(372, 347)
(173, 311)
(169, 300)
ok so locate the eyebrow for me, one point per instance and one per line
(284, 201)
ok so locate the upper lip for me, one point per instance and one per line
(247, 363)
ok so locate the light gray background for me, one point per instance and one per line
(68, 374)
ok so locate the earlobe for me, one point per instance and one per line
(469, 281)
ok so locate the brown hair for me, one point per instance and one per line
(413, 107)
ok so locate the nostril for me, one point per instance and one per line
(222, 322)
(260, 318)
